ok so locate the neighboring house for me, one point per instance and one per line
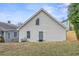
(42, 27)
(8, 31)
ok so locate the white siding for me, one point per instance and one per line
(52, 31)
(11, 36)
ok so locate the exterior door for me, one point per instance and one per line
(40, 36)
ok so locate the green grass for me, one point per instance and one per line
(39, 49)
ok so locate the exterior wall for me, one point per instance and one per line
(11, 36)
(52, 31)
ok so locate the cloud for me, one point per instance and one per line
(67, 4)
(32, 7)
(14, 17)
(48, 8)
(21, 12)
(59, 11)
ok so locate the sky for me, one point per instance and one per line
(20, 12)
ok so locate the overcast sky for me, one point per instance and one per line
(21, 12)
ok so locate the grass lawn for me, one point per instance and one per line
(39, 49)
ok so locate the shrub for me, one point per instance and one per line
(2, 39)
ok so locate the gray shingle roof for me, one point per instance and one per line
(7, 26)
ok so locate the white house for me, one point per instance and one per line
(8, 31)
(42, 27)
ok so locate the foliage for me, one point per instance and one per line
(73, 16)
(2, 39)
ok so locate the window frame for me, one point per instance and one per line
(37, 21)
(28, 34)
(15, 34)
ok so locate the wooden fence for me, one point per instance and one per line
(71, 36)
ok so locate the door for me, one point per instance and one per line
(40, 36)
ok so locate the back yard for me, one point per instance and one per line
(40, 48)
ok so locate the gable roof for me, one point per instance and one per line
(42, 10)
(7, 26)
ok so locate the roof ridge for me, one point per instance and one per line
(47, 14)
(5, 26)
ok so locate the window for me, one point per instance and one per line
(15, 34)
(37, 21)
(8, 35)
(28, 34)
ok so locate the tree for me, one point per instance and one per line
(73, 16)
